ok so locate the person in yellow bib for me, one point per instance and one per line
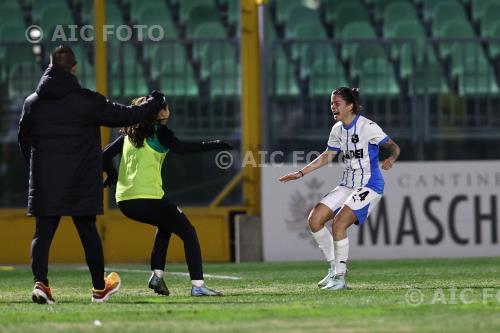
(140, 195)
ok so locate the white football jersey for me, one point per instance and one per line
(359, 146)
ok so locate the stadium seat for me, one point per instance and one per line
(428, 79)
(51, 20)
(200, 15)
(224, 78)
(430, 7)
(151, 17)
(177, 78)
(38, 7)
(303, 23)
(358, 30)
(305, 30)
(11, 14)
(332, 8)
(301, 15)
(380, 6)
(494, 48)
(206, 30)
(453, 29)
(53, 14)
(186, 7)
(477, 79)
(23, 78)
(160, 53)
(481, 7)
(397, 13)
(377, 77)
(355, 30)
(489, 21)
(19, 53)
(14, 54)
(233, 10)
(284, 83)
(284, 8)
(326, 74)
(114, 14)
(348, 14)
(127, 78)
(215, 52)
(4, 5)
(403, 51)
(366, 50)
(405, 55)
(325, 77)
(12, 33)
(467, 54)
(139, 9)
(312, 52)
(84, 70)
(271, 33)
(86, 9)
(447, 13)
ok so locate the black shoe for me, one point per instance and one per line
(158, 285)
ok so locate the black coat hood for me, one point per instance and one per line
(56, 83)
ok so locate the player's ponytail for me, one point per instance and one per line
(139, 132)
(350, 96)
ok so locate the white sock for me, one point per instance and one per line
(158, 272)
(342, 252)
(197, 283)
(325, 243)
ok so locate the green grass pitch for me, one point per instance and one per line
(456, 295)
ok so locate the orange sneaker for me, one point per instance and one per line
(113, 283)
(41, 294)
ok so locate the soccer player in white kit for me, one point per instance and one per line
(361, 187)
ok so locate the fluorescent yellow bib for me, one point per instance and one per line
(139, 176)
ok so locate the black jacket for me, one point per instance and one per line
(59, 136)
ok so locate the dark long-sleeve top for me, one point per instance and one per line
(166, 138)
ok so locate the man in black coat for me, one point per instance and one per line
(59, 136)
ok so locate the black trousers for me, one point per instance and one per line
(169, 219)
(45, 229)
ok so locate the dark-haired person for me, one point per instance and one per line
(59, 136)
(140, 195)
(362, 185)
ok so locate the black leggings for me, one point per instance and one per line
(169, 219)
(45, 229)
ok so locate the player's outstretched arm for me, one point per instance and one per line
(169, 140)
(323, 159)
(394, 151)
(111, 114)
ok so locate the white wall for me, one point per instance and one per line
(430, 209)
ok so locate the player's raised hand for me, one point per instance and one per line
(388, 163)
(291, 176)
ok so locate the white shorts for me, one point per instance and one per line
(361, 200)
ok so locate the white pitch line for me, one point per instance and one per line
(125, 270)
